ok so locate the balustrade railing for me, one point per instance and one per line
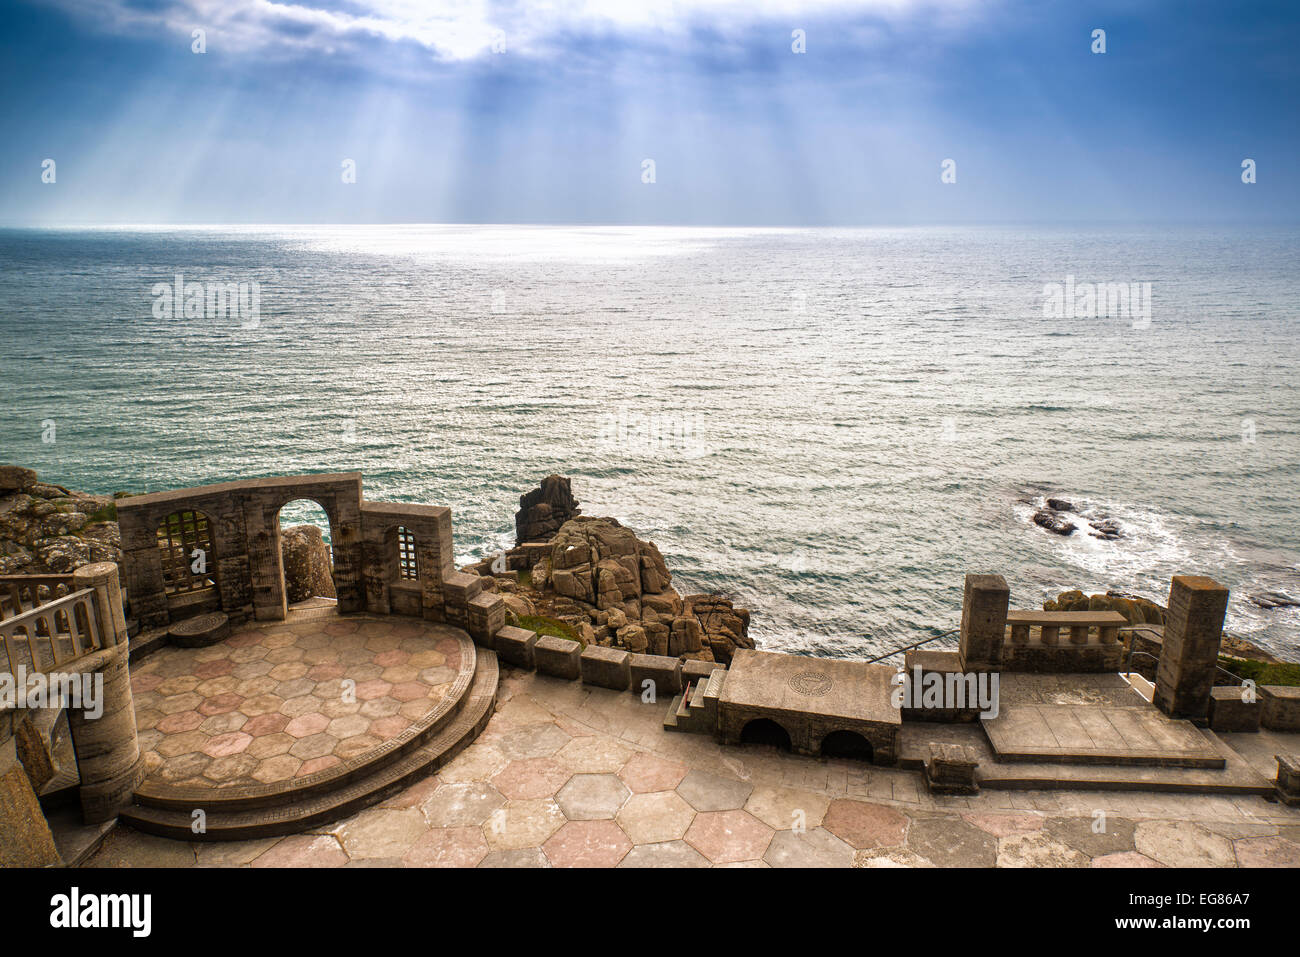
(54, 634)
(1080, 625)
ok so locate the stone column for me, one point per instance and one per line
(1190, 652)
(102, 578)
(108, 752)
(983, 622)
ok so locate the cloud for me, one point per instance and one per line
(462, 30)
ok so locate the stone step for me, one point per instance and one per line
(671, 722)
(379, 783)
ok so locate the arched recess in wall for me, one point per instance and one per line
(306, 551)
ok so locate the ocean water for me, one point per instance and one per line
(831, 425)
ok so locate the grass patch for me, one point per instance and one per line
(526, 578)
(1262, 672)
(550, 626)
(107, 513)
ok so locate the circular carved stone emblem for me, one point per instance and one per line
(200, 624)
(811, 684)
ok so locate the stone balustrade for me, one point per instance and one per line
(1078, 626)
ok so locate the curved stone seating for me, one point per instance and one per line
(200, 631)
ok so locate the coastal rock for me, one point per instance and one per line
(306, 562)
(1106, 528)
(544, 510)
(722, 626)
(15, 478)
(47, 529)
(1136, 609)
(1053, 521)
(1269, 600)
(1060, 505)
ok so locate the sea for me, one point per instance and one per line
(832, 426)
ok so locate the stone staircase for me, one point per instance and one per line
(229, 817)
(696, 708)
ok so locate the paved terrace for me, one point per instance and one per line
(570, 775)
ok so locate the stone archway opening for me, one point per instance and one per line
(847, 744)
(766, 732)
(189, 564)
(306, 551)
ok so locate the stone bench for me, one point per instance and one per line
(200, 631)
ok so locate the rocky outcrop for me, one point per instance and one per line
(1269, 600)
(306, 561)
(1136, 609)
(1061, 517)
(616, 590)
(48, 530)
(544, 510)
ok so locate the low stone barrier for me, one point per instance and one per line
(514, 646)
(1230, 711)
(560, 657)
(665, 674)
(1281, 711)
(606, 667)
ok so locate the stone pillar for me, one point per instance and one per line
(102, 578)
(1190, 651)
(108, 752)
(983, 622)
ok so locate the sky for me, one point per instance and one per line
(547, 112)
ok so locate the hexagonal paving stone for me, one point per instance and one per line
(1183, 844)
(816, 847)
(357, 745)
(265, 724)
(655, 817)
(594, 754)
(269, 745)
(261, 704)
(711, 792)
(179, 722)
(180, 702)
(531, 778)
(1037, 850)
(282, 767)
(524, 857)
(592, 797)
(314, 746)
(729, 836)
(954, 842)
(231, 768)
(304, 850)
(221, 723)
(587, 844)
(305, 725)
(461, 805)
(448, 847)
(381, 832)
(787, 807)
(863, 824)
(669, 854)
(348, 726)
(221, 745)
(534, 741)
(323, 763)
(1267, 852)
(523, 824)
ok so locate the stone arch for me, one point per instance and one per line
(767, 732)
(330, 533)
(847, 744)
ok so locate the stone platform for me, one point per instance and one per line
(810, 699)
(279, 702)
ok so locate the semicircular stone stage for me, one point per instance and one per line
(281, 704)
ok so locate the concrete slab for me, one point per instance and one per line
(1083, 734)
(810, 698)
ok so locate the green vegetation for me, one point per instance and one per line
(1263, 673)
(526, 578)
(550, 626)
(106, 514)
